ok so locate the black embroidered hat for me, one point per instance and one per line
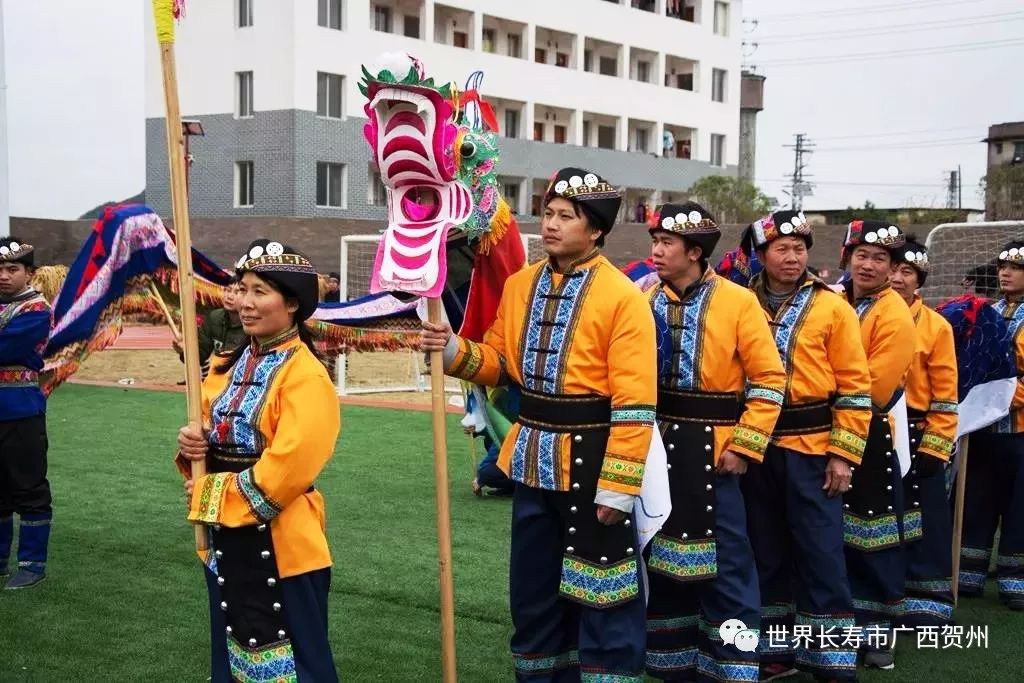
(915, 255)
(875, 233)
(285, 267)
(1012, 253)
(689, 220)
(13, 250)
(594, 195)
(765, 230)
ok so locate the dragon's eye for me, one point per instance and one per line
(467, 150)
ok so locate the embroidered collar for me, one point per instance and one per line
(275, 343)
(916, 306)
(872, 294)
(18, 298)
(577, 265)
(693, 287)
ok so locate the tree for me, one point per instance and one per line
(1004, 192)
(730, 199)
(868, 213)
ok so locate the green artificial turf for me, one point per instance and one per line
(125, 598)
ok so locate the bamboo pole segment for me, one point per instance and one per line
(163, 14)
(958, 512)
(166, 311)
(444, 532)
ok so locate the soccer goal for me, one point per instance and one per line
(962, 257)
(365, 372)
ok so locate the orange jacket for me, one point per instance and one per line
(932, 380)
(816, 335)
(733, 352)
(887, 332)
(286, 409)
(598, 333)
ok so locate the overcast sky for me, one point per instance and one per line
(947, 97)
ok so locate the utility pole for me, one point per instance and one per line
(951, 191)
(800, 188)
(959, 188)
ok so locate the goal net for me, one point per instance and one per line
(366, 372)
(962, 258)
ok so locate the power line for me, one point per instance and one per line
(934, 184)
(913, 52)
(896, 148)
(902, 29)
(889, 7)
(898, 133)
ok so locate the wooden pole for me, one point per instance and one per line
(163, 308)
(958, 512)
(444, 531)
(164, 19)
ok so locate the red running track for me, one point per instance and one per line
(143, 338)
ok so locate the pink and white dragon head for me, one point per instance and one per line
(412, 134)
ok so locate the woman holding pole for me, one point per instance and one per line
(272, 422)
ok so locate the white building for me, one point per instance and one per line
(595, 83)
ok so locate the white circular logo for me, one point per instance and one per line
(668, 222)
(4, 251)
(275, 249)
(590, 179)
(256, 252)
(561, 186)
(871, 237)
(575, 181)
(695, 217)
(893, 231)
(15, 246)
(786, 228)
(798, 219)
(240, 262)
(1004, 255)
(1013, 252)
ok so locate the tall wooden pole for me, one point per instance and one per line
(958, 512)
(163, 13)
(444, 530)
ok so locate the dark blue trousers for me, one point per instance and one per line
(994, 498)
(876, 581)
(797, 534)
(305, 613)
(25, 490)
(684, 618)
(929, 596)
(555, 639)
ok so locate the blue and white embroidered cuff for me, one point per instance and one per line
(263, 507)
(852, 402)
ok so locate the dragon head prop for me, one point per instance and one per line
(436, 149)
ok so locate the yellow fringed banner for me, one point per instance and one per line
(163, 14)
(499, 226)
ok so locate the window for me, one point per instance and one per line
(244, 13)
(588, 60)
(376, 192)
(609, 66)
(643, 71)
(562, 59)
(999, 148)
(717, 150)
(329, 89)
(244, 196)
(642, 136)
(514, 45)
(460, 39)
(684, 149)
(511, 123)
(243, 94)
(329, 14)
(606, 137)
(1018, 149)
(684, 81)
(511, 193)
(560, 134)
(489, 38)
(721, 22)
(330, 185)
(382, 19)
(718, 85)
(540, 55)
(586, 134)
(411, 26)
(538, 131)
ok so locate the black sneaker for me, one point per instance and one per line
(880, 659)
(24, 579)
(1015, 603)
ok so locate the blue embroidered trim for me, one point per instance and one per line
(864, 305)
(672, 660)
(534, 664)
(785, 339)
(1010, 586)
(262, 506)
(548, 379)
(880, 608)
(1010, 561)
(831, 660)
(237, 428)
(536, 458)
(605, 677)
(913, 526)
(852, 401)
(940, 586)
(877, 533)
(765, 394)
(683, 560)
(976, 553)
(728, 671)
(825, 622)
(944, 407)
(933, 608)
(688, 342)
(972, 579)
(274, 662)
(599, 585)
(642, 416)
(671, 623)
